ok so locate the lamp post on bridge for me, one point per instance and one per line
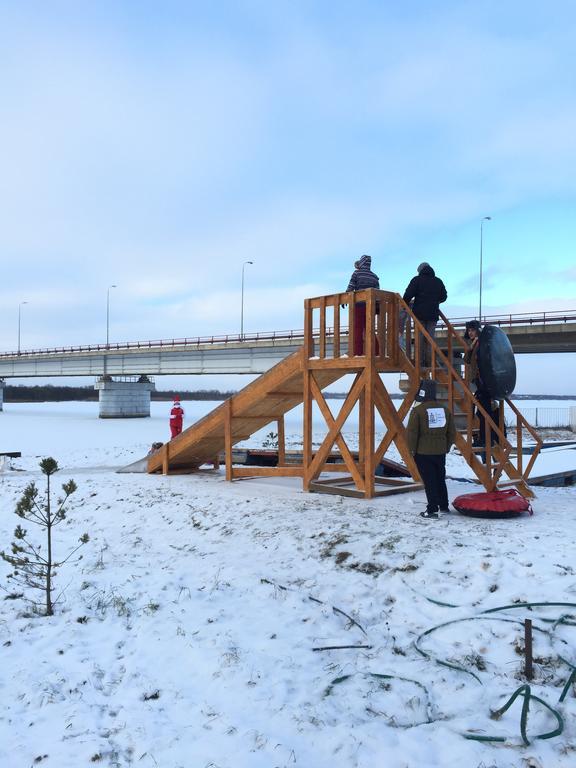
(486, 218)
(242, 302)
(19, 321)
(108, 314)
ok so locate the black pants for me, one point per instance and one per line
(425, 348)
(432, 470)
(483, 399)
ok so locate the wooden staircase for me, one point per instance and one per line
(331, 334)
(491, 463)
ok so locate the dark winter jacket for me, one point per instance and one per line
(471, 359)
(428, 292)
(363, 277)
(430, 429)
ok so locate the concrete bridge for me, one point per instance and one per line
(253, 354)
(230, 354)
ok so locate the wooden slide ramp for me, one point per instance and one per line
(261, 402)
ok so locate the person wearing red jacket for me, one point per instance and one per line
(176, 418)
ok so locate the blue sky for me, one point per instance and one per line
(158, 146)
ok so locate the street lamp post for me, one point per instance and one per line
(108, 314)
(19, 319)
(242, 302)
(486, 218)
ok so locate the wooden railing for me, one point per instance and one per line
(371, 318)
(489, 461)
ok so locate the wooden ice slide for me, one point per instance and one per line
(262, 402)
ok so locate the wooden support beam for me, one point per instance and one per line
(344, 364)
(281, 442)
(326, 447)
(361, 415)
(342, 489)
(228, 437)
(397, 431)
(291, 471)
(367, 427)
(351, 329)
(322, 339)
(308, 330)
(307, 428)
(336, 341)
(335, 426)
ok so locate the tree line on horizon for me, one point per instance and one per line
(39, 393)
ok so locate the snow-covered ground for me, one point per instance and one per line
(194, 631)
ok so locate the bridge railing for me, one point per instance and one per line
(188, 342)
(541, 318)
(519, 318)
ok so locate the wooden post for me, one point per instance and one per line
(528, 668)
(165, 459)
(368, 429)
(308, 330)
(337, 328)
(408, 326)
(519, 446)
(417, 346)
(307, 426)
(361, 419)
(352, 330)
(383, 329)
(322, 340)
(370, 330)
(281, 442)
(228, 437)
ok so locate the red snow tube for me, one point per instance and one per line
(496, 504)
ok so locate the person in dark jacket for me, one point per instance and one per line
(427, 292)
(362, 278)
(431, 433)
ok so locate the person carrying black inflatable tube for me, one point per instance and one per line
(482, 395)
(431, 433)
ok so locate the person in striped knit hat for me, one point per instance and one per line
(362, 278)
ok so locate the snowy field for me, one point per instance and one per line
(198, 630)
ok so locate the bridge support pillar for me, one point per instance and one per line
(128, 398)
(2, 394)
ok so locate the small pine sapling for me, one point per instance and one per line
(271, 440)
(34, 567)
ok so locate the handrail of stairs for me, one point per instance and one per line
(500, 458)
